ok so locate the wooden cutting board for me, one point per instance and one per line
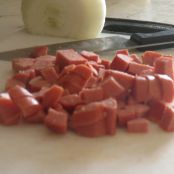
(32, 149)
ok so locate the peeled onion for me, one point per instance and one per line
(79, 19)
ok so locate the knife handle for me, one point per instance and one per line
(156, 37)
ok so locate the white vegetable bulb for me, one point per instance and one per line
(79, 19)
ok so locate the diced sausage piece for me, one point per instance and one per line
(25, 101)
(125, 79)
(156, 110)
(95, 65)
(139, 125)
(40, 64)
(39, 95)
(57, 121)
(9, 112)
(167, 120)
(124, 115)
(83, 71)
(38, 117)
(140, 89)
(135, 58)
(147, 72)
(48, 58)
(149, 57)
(129, 112)
(137, 68)
(110, 108)
(94, 71)
(19, 92)
(111, 88)
(37, 83)
(39, 51)
(121, 62)
(123, 51)
(87, 115)
(52, 95)
(49, 74)
(69, 102)
(25, 76)
(12, 82)
(67, 57)
(167, 87)
(106, 63)
(27, 105)
(91, 56)
(154, 89)
(93, 112)
(94, 130)
(101, 123)
(91, 95)
(20, 64)
(76, 78)
(91, 82)
(164, 65)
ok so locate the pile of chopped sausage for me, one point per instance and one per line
(91, 96)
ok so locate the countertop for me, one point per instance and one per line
(32, 149)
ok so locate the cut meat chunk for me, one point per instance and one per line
(167, 120)
(123, 51)
(91, 56)
(111, 88)
(106, 63)
(130, 112)
(92, 81)
(67, 57)
(25, 101)
(95, 119)
(38, 117)
(37, 83)
(140, 89)
(164, 65)
(25, 76)
(140, 125)
(20, 64)
(125, 79)
(19, 92)
(75, 79)
(69, 102)
(149, 57)
(135, 58)
(91, 95)
(120, 62)
(167, 87)
(94, 130)
(137, 68)
(49, 74)
(43, 62)
(9, 112)
(39, 51)
(154, 89)
(52, 95)
(93, 112)
(57, 121)
(156, 110)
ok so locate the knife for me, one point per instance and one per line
(97, 45)
(144, 35)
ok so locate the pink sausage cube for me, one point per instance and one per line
(140, 125)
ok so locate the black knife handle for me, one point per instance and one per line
(148, 38)
(129, 26)
(141, 32)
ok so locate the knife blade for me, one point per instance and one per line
(98, 45)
